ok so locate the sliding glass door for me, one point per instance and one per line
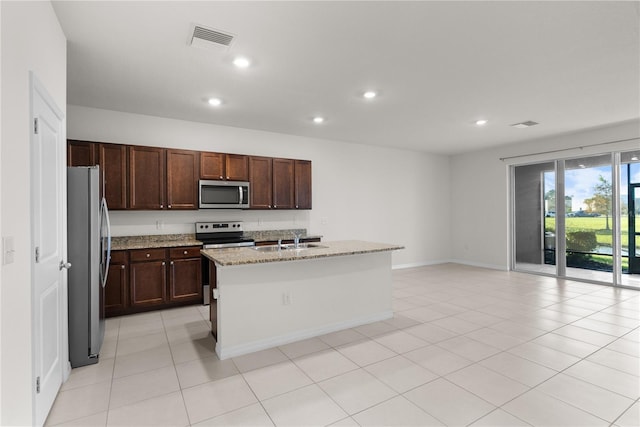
(579, 218)
(588, 222)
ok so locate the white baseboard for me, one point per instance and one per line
(258, 345)
(418, 264)
(479, 264)
(449, 261)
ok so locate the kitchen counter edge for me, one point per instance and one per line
(245, 256)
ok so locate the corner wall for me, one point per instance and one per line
(32, 40)
(480, 188)
(359, 192)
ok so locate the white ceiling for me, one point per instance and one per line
(438, 66)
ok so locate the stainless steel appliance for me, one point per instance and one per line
(223, 194)
(89, 251)
(219, 235)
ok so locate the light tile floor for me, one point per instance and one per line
(467, 346)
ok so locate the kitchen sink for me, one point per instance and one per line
(288, 247)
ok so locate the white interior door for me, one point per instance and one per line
(47, 198)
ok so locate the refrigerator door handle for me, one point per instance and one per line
(105, 218)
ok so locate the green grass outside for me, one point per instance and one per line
(598, 224)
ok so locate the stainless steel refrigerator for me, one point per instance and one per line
(89, 250)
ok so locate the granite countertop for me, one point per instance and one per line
(242, 256)
(154, 241)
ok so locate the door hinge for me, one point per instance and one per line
(38, 385)
(37, 254)
(35, 125)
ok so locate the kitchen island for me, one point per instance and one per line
(264, 297)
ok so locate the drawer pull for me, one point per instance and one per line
(186, 252)
(148, 255)
(164, 263)
(122, 267)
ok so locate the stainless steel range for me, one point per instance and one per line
(219, 235)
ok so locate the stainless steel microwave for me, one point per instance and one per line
(223, 194)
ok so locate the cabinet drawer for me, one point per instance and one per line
(185, 252)
(118, 257)
(138, 255)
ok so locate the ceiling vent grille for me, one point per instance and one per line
(523, 125)
(208, 37)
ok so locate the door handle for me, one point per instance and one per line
(65, 265)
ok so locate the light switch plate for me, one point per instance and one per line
(8, 250)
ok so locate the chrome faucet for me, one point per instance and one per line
(296, 240)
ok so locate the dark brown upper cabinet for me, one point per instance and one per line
(113, 171)
(260, 178)
(147, 178)
(221, 166)
(302, 184)
(283, 183)
(81, 153)
(182, 179)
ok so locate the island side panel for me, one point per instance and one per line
(270, 304)
(213, 302)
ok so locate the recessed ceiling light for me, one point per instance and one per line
(241, 62)
(634, 158)
(369, 94)
(215, 102)
(318, 120)
(581, 166)
(481, 122)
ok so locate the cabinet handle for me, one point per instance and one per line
(275, 206)
(186, 252)
(169, 206)
(122, 267)
(221, 177)
(171, 262)
(227, 177)
(296, 206)
(269, 206)
(164, 263)
(161, 206)
(148, 255)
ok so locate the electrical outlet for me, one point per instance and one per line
(286, 298)
(159, 225)
(260, 221)
(8, 250)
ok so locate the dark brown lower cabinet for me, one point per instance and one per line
(152, 279)
(148, 278)
(185, 275)
(115, 293)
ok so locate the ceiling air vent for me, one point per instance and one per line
(209, 38)
(524, 124)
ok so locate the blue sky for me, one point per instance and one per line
(579, 183)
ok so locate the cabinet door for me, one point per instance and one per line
(261, 184)
(182, 179)
(283, 195)
(113, 171)
(303, 184)
(81, 153)
(146, 178)
(148, 283)
(185, 280)
(212, 166)
(236, 167)
(115, 291)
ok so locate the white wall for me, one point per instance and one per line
(32, 40)
(359, 192)
(479, 188)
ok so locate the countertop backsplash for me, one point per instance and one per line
(146, 223)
